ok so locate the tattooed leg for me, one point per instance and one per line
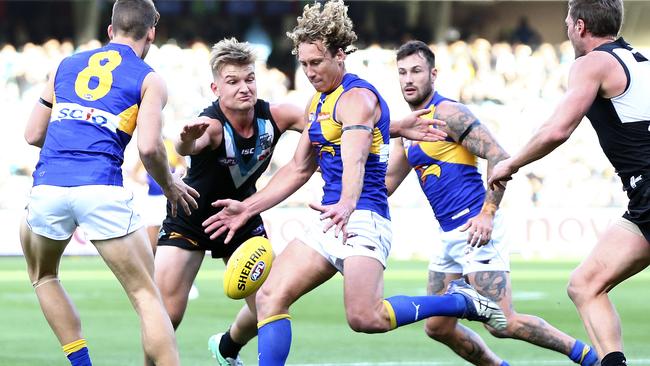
(462, 340)
(529, 328)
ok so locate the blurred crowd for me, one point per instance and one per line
(511, 88)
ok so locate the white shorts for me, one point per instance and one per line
(102, 212)
(453, 255)
(153, 209)
(369, 235)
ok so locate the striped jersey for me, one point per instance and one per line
(325, 135)
(229, 171)
(448, 175)
(622, 123)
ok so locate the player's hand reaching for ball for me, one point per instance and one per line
(230, 218)
(179, 193)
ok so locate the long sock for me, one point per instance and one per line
(410, 309)
(583, 355)
(77, 353)
(614, 359)
(504, 363)
(274, 340)
(228, 347)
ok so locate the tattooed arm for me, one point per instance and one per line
(466, 129)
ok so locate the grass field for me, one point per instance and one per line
(321, 335)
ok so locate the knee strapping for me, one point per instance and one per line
(44, 280)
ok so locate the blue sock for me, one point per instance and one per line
(80, 358)
(410, 309)
(274, 340)
(583, 355)
(504, 363)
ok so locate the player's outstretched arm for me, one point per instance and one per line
(196, 136)
(398, 167)
(415, 127)
(585, 80)
(36, 127)
(151, 147)
(467, 130)
(284, 182)
(288, 117)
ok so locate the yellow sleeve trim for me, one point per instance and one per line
(391, 314)
(74, 346)
(271, 319)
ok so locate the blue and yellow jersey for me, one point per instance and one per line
(96, 100)
(448, 176)
(325, 136)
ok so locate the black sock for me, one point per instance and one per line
(228, 347)
(613, 359)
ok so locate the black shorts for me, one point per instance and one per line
(195, 239)
(638, 209)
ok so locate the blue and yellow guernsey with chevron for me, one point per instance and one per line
(94, 112)
(448, 175)
(325, 136)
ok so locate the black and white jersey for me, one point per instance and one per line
(229, 171)
(622, 123)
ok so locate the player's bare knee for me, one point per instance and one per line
(367, 316)
(270, 303)
(262, 298)
(573, 291)
(580, 287)
(365, 322)
(439, 330)
(167, 292)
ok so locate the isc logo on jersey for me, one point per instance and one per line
(248, 267)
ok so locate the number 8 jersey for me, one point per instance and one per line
(95, 107)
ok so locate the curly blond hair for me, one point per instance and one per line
(230, 51)
(328, 23)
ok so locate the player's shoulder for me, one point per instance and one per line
(595, 65)
(450, 107)
(211, 111)
(154, 79)
(356, 103)
(360, 96)
(595, 60)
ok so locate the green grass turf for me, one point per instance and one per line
(320, 333)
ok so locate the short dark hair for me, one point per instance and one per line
(412, 47)
(133, 18)
(602, 18)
